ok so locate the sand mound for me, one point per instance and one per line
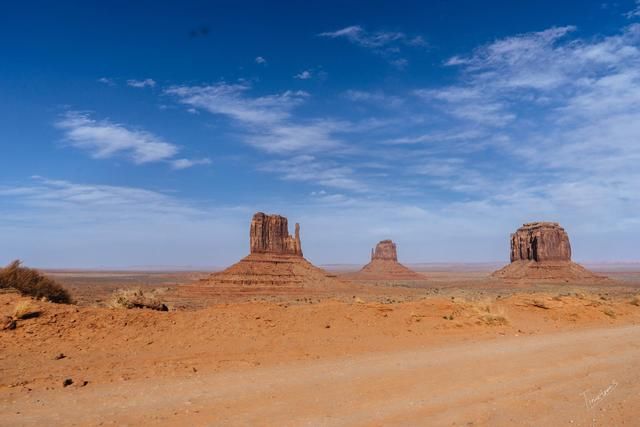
(549, 271)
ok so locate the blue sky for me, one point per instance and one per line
(147, 135)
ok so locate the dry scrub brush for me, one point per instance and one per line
(31, 282)
(25, 310)
(488, 313)
(135, 298)
(22, 311)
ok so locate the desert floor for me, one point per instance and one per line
(456, 349)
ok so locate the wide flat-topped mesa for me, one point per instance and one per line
(384, 265)
(270, 234)
(541, 251)
(540, 241)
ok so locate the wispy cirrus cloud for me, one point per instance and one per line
(140, 84)
(307, 168)
(268, 123)
(376, 97)
(554, 120)
(387, 44)
(634, 13)
(103, 200)
(105, 139)
(136, 227)
(187, 163)
(304, 75)
(374, 40)
(107, 81)
(232, 100)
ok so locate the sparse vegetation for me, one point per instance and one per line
(540, 304)
(494, 319)
(25, 310)
(136, 298)
(491, 315)
(486, 313)
(32, 283)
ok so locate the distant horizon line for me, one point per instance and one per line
(207, 268)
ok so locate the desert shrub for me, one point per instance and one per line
(136, 298)
(25, 310)
(636, 301)
(31, 282)
(540, 304)
(489, 314)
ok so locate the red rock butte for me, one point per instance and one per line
(541, 251)
(384, 265)
(540, 241)
(269, 234)
(274, 265)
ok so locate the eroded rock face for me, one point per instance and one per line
(385, 250)
(540, 241)
(270, 234)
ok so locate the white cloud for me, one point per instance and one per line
(230, 100)
(187, 163)
(305, 75)
(470, 104)
(307, 168)
(48, 193)
(385, 43)
(135, 227)
(260, 60)
(435, 137)
(541, 68)
(634, 13)
(310, 137)
(267, 120)
(105, 139)
(107, 81)
(374, 97)
(379, 39)
(531, 60)
(400, 63)
(569, 116)
(141, 83)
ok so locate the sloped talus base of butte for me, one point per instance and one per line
(548, 271)
(267, 274)
(381, 269)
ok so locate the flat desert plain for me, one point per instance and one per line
(458, 348)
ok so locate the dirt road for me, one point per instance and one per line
(585, 377)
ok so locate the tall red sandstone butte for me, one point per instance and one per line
(270, 234)
(275, 265)
(541, 251)
(384, 265)
(386, 250)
